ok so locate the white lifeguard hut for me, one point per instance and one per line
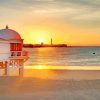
(12, 55)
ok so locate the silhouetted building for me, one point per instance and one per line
(42, 43)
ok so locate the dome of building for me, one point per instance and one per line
(3, 41)
(9, 34)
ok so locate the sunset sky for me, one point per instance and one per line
(75, 22)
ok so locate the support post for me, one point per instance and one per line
(21, 69)
(5, 67)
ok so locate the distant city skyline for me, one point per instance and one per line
(73, 22)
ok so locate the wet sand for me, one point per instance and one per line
(63, 74)
(57, 85)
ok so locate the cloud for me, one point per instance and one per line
(74, 10)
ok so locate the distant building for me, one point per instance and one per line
(12, 55)
(42, 43)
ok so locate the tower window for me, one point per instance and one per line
(15, 47)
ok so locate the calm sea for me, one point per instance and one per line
(70, 56)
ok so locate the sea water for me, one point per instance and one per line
(64, 56)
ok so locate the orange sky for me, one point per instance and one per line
(45, 29)
(71, 22)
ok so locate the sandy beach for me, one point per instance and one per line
(57, 85)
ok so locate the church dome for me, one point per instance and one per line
(9, 34)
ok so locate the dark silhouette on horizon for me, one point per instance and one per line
(44, 45)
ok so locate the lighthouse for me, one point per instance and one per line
(12, 55)
(51, 41)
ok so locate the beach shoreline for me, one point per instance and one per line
(57, 85)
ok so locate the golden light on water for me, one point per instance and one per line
(48, 67)
(57, 72)
(38, 71)
(40, 67)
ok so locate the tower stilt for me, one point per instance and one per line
(21, 69)
(6, 64)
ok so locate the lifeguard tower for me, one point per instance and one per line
(12, 55)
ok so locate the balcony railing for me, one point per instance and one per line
(19, 54)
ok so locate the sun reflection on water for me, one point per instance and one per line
(40, 67)
(50, 67)
(53, 72)
(38, 71)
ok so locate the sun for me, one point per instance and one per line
(40, 40)
(41, 36)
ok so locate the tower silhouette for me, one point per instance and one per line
(51, 41)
